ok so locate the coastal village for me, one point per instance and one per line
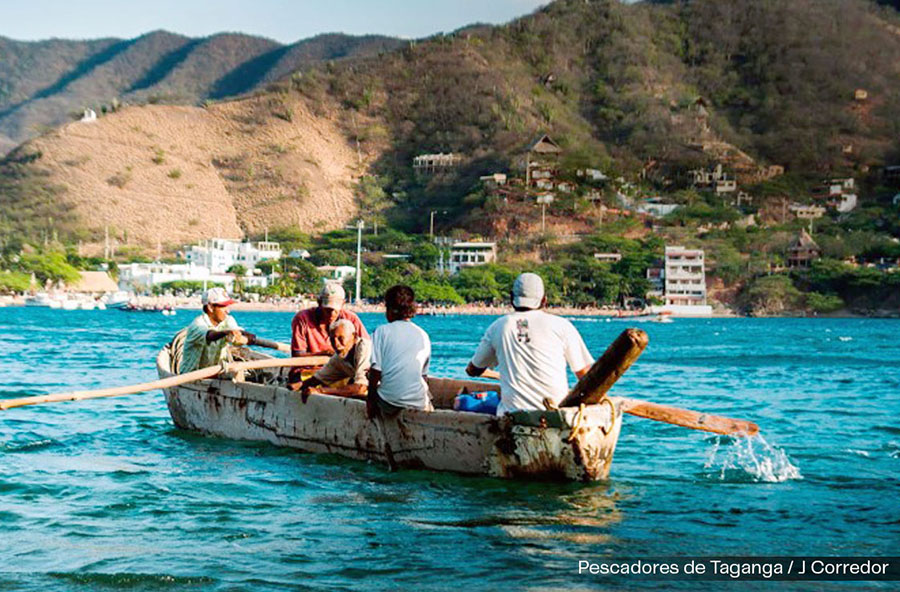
(675, 283)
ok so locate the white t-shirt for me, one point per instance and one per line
(402, 352)
(530, 350)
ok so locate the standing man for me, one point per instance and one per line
(530, 348)
(205, 338)
(401, 352)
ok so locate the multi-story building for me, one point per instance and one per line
(471, 255)
(143, 276)
(685, 277)
(219, 254)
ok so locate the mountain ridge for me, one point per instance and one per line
(47, 83)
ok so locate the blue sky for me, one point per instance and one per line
(283, 20)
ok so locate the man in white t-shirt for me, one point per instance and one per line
(530, 348)
(401, 352)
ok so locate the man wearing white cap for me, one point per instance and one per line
(207, 336)
(530, 348)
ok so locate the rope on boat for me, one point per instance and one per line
(577, 424)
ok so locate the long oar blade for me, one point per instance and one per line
(164, 383)
(686, 418)
(690, 419)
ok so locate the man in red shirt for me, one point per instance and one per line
(309, 329)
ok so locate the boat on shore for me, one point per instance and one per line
(565, 444)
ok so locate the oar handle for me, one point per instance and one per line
(165, 383)
(268, 343)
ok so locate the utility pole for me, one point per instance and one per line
(359, 229)
(544, 200)
(431, 224)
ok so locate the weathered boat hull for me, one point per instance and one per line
(567, 444)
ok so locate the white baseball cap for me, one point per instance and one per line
(332, 296)
(528, 290)
(216, 297)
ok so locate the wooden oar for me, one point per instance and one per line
(617, 358)
(689, 419)
(176, 380)
(608, 368)
(282, 347)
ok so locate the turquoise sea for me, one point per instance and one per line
(108, 495)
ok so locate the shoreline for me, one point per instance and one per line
(294, 305)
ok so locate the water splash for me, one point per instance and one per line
(749, 460)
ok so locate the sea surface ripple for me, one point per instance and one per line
(107, 494)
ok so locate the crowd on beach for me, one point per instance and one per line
(529, 348)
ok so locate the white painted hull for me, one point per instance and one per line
(532, 445)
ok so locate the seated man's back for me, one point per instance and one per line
(530, 348)
(401, 353)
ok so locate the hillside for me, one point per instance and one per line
(172, 174)
(44, 84)
(618, 86)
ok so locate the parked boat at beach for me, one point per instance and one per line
(569, 443)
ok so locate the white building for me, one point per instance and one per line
(608, 257)
(219, 254)
(336, 273)
(471, 255)
(685, 282)
(845, 203)
(715, 178)
(807, 212)
(655, 207)
(434, 163)
(143, 276)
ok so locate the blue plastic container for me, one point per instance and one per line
(485, 402)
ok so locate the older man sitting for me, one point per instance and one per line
(346, 371)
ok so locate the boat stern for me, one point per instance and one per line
(572, 443)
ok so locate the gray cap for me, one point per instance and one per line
(528, 290)
(332, 296)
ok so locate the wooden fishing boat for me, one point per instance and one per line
(574, 443)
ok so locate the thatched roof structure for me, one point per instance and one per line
(94, 281)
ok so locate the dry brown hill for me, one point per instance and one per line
(176, 174)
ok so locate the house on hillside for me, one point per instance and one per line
(595, 175)
(838, 194)
(542, 161)
(803, 251)
(430, 164)
(493, 180)
(608, 257)
(716, 179)
(807, 212)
